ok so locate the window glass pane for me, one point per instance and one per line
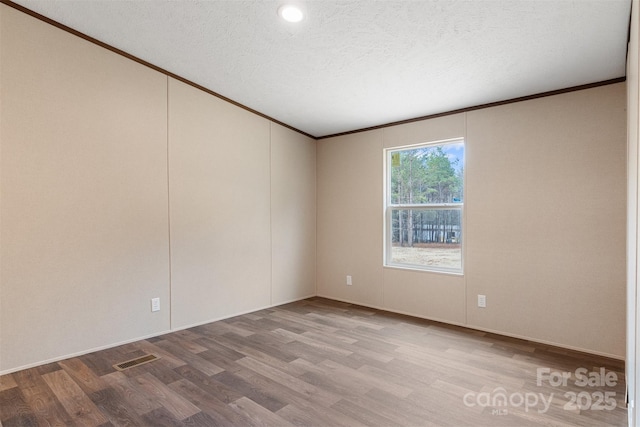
(427, 237)
(427, 174)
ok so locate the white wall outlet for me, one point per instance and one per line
(155, 304)
(482, 301)
(349, 282)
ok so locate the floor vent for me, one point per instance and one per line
(136, 362)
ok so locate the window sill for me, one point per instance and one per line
(423, 270)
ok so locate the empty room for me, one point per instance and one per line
(319, 213)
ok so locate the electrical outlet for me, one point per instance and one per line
(482, 301)
(155, 304)
(349, 282)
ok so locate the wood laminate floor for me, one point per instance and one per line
(321, 363)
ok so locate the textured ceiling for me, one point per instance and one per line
(353, 64)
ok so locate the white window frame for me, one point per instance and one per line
(389, 207)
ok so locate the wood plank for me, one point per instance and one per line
(258, 415)
(307, 391)
(364, 415)
(116, 408)
(242, 346)
(224, 327)
(82, 375)
(316, 344)
(201, 419)
(356, 376)
(342, 387)
(309, 416)
(266, 398)
(211, 385)
(81, 409)
(215, 347)
(14, 410)
(219, 412)
(186, 339)
(161, 369)
(167, 357)
(178, 406)
(161, 417)
(7, 382)
(298, 401)
(129, 391)
(190, 358)
(44, 404)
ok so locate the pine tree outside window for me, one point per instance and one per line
(424, 206)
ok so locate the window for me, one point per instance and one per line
(424, 202)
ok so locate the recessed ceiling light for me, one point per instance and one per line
(290, 13)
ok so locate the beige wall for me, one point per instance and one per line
(546, 224)
(544, 221)
(293, 216)
(350, 218)
(84, 227)
(111, 195)
(219, 200)
(242, 209)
